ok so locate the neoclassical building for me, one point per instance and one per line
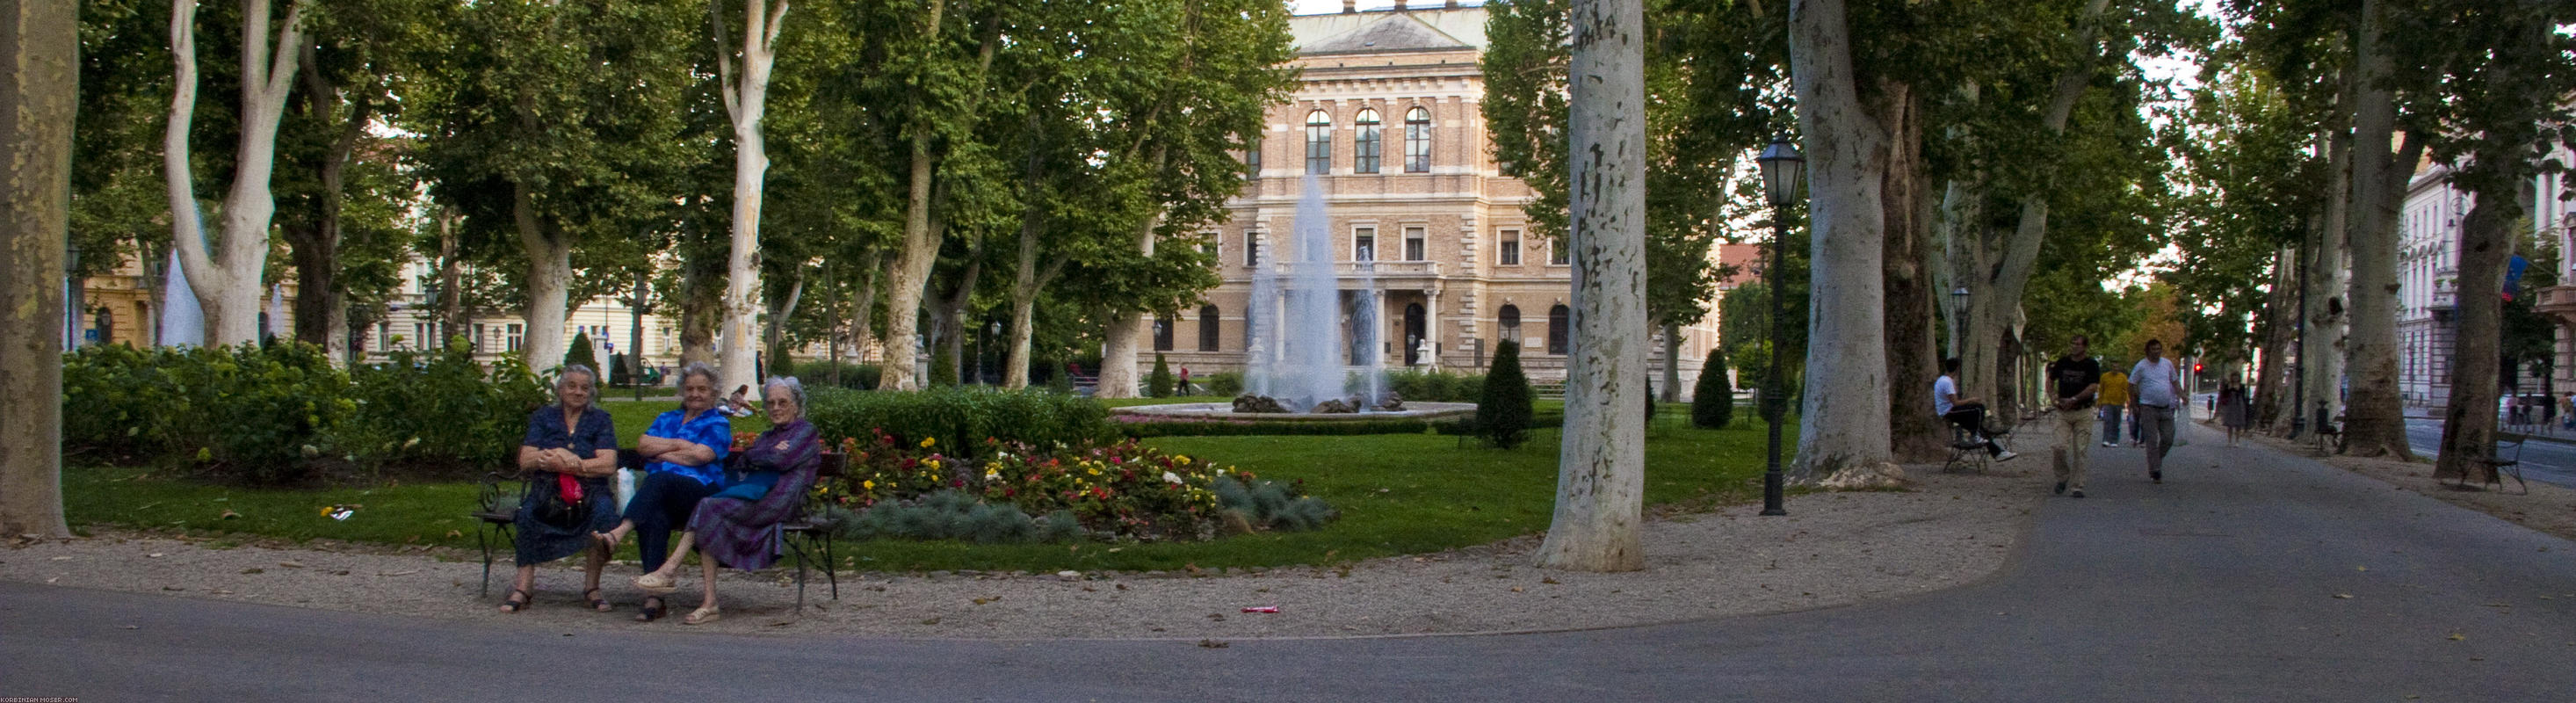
(2428, 279)
(1388, 122)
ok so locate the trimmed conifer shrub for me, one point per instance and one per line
(943, 370)
(580, 353)
(1713, 400)
(1159, 385)
(1503, 411)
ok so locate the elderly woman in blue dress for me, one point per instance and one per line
(684, 454)
(738, 526)
(571, 449)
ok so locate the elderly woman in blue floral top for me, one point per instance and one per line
(572, 448)
(738, 526)
(684, 455)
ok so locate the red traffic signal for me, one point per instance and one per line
(2195, 368)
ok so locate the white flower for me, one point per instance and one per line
(1172, 477)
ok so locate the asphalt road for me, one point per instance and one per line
(2247, 575)
(2542, 461)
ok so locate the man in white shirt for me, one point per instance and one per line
(2156, 388)
(1966, 413)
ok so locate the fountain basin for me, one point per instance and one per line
(1225, 412)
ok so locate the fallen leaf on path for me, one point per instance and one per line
(154, 555)
(2456, 637)
(254, 570)
(2343, 595)
(398, 573)
(290, 565)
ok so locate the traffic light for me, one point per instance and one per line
(2195, 367)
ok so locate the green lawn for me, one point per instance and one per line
(1398, 494)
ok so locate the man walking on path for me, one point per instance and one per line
(2115, 397)
(2076, 378)
(2158, 387)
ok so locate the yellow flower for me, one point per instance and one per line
(927, 441)
(870, 485)
(992, 474)
(1184, 458)
(1095, 471)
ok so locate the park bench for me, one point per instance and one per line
(806, 533)
(2505, 462)
(2330, 437)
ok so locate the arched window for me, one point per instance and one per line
(1162, 334)
(1364, 156)
(1207, 328)
(1560, 326)
(1319, 142)
(1510, 321)
(1417, 141)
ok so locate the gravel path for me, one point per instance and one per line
(1832, 549)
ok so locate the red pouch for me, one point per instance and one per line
(568, 487)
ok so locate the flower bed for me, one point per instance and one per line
(1124, 491)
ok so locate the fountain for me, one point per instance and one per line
(1315, 349)
(182, 322)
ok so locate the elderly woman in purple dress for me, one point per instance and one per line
(738, 526)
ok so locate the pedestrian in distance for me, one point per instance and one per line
(2115, 398)
(2157, 385)
(2231, 409)
(2076, 381)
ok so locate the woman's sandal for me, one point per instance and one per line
(702, 616)
(654, 609)
(597, 602)
(656, 582)
(516, 601)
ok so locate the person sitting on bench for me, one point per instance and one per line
(1965, 413)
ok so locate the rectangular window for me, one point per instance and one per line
(1364, 244)
(512, 338)
(1251, 249)
(1558, 254)
(1319, 144)
(1415, 246)
(1508, 252)
(1252, 158)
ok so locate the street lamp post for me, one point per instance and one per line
(71, 296)
(635, 335)
(1958, 318)
(1782, 172)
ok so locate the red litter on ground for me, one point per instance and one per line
(1261, 609)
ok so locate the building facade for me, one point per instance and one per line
(2428, 276)
(1388, 125)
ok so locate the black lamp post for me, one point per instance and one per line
(1782, 172)
(635, 333)
(71, 295)
(1958, 318)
